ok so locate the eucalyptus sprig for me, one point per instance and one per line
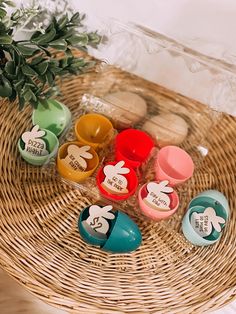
(28, 68)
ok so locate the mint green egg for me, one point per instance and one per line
(191, 235)
(52, 145)
(53, 116)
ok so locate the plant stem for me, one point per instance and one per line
(24, 41)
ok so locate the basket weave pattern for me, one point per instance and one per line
(41, 248)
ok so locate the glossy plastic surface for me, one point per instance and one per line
(132, 181)
(211, 198)
(76, 175)
(52, 145)
(124, 235)
(133, 146)
(94, 130)
(191, 235)
(156, 214)
(173, 164)
(54, 116)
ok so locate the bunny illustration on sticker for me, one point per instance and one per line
(158, 195)
(204, 223)
(34, 144)
(115, 181)
(77, 157)
(98, 218)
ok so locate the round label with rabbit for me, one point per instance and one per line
(115, 181)
(34, 144)
(158, 197)
(98, 218)
(204, 223)
(76, 158)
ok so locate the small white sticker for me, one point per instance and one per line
(98, 217)
(158, 197)
(76, 158)
(34, 144)
(203, 223)
(114, 180)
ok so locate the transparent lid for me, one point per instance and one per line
(169, 63)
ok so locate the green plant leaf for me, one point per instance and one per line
(17, 58)
(64, 72)
(47, 52)
(50, 78)
(43, 79)
(54, 62)
(63, 62)
(78, 40)
(10, 67)
(13, 95)
(19, 84)
(2, 28)
(5, 87)
(37, 60)
(28, 67)
(10, 3)
(29, 85)
(28, 94)
(68, 52)
(26, 51)
(63, 21)
(77, 18)
(34, 103)
(44, 102)
(3, 13)
(94, 39)
(5, 40)
(42, 67)
(56, 71)
(10, 32)
(15, 15)
(35, 35)
(54, 67)
(53, 24)
(44, 39)
(67, 33)
(59, 44)
(79, 62)
(28, 71)
(73, 71)
(33, 97)
(21, 102)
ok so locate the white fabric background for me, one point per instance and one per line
(211, 20)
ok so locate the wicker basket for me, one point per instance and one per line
(41, 248)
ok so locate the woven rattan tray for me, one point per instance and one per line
(41, 248)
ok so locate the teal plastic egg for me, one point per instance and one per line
(211, 198)
(119, 234)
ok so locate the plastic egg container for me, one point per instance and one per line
(118, 157)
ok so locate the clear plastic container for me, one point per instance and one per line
(128, 48)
